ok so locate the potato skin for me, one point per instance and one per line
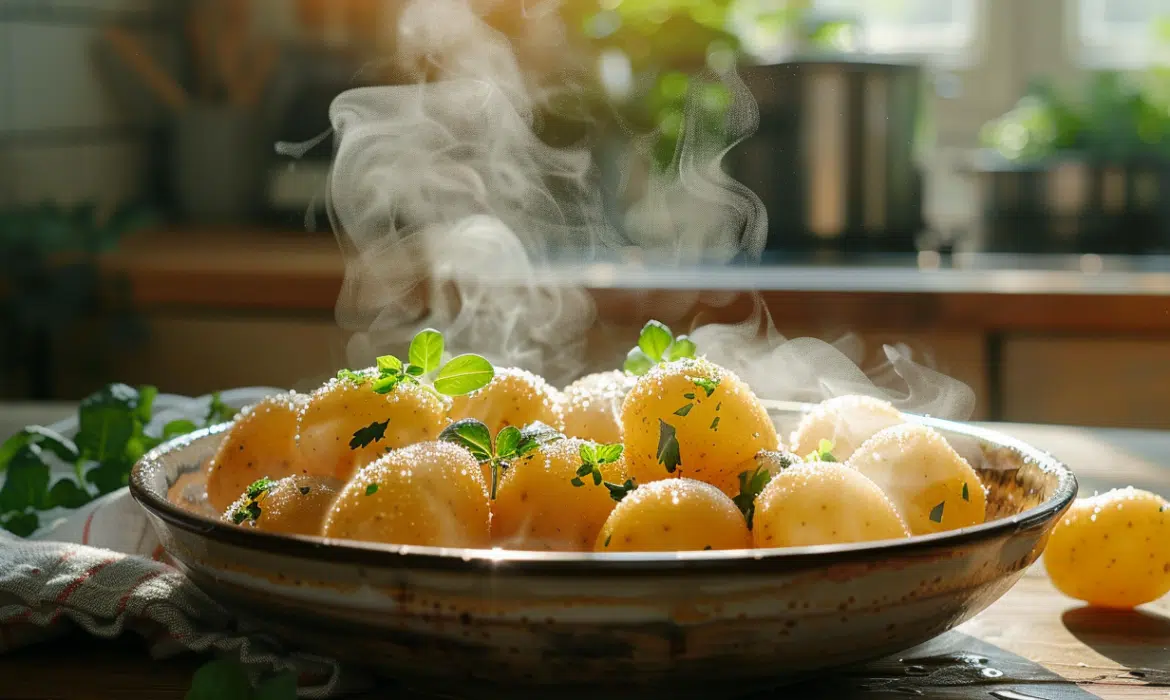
(294, 505)
(846, 421)
(340, 408)
(918, 470)
(513, 397)
(261, 443)
(428, 494)
(1112, 550)
(538, 508)
(715, 433)
(823, 503)
(674, 515)
(592, 406)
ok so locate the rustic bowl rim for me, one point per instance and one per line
(773, 560)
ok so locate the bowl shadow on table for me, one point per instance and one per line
(1136, 639)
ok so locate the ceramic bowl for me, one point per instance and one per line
(613, 623)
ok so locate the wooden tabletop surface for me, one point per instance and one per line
(1033, 644)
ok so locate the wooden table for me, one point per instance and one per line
(1038, 645)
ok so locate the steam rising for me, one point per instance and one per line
(448, 207)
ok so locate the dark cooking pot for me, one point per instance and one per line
(833, 159)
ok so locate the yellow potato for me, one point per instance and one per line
(592, 406)
(823, 503)
(1112, 550)
(341, 408)
(674, 515)
(933, 488)
(294, 505)
(694, 419)
(514, 397)
(261, 443)
(431, 494)
(538, 508)
(846, 421)
(771, 461)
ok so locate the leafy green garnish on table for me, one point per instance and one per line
(228, 680)
(462, 375)
(657, 344)
(511, 443)
(111, 437)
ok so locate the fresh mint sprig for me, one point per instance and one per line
(510, 444)
(823, 453)
(462, 375)
(657, 344)
(593, 457)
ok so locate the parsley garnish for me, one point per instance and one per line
(668, 454)
(250, 510)
(715, 424)
(707, 384)
(619, 491)
(374, 432)
(372, 489)
(657, 344)
(823, 453)
(593, 456)
(511, 443)
(258, 487)
(305, 490)
(966, 493)
(462, 375)
(751, 485)
(936, 513)
(608, 538)
(684, 410)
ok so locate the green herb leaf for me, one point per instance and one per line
(751, 485)
(715, 424)
(668, 449)
(249, 511)
(823, 453)
(588, 453)
(372, 489)
(388, 364)
(426, 350)
(654, 340)
(684, 410)
(472, 435)
(27, 482)
(259, 487)
(691, 397)
(682, 348)
(707, 385)
(415, 370)
(576, 481)
(507, 441)
(936, 513)
(66, 493)
(966, 493)
(608, 454)
(280, 687)
(21, 524)
(374, 432)
(534, 435)
(637, 362)
(305, 490)
(619, 491)
(348, 375)
(585, 469)
(60, 446)
(386, 384)
(107, 420)
(607, 539)
(220, 680)
(463, 375)
(178, 427)
(219, 412)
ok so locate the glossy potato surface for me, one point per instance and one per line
(336, 411)
(933, 488)
(430, 494)
(674, 515)
(538, 508)
(823, 503)
(514, 397)
(707, 412)
(1112, 550)
(261, 443)
(592, 406)
(846, 421)
(294, 505)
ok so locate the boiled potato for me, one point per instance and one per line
(261, 443)
(1112, 550)
(514, 397)
(694, 419)
(674, 515)
(933, 488)
(430, 494)
(823, 503)
(294, 505)
(592, 405)
(845, 421)
(771, 461)
(537, 506)
(331, 421)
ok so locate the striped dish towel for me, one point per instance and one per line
(102, 569)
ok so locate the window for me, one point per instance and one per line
(1121, 33)
(940, 27)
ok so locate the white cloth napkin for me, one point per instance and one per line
(101, 568)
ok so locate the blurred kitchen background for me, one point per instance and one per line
(985, 181)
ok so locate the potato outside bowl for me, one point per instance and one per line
(614, 623)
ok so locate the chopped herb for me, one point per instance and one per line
(707, 384)
(707, 548)
(715, 424)
(608, 538)
(936, 513)
(510, 443)
(248, 512)
(593, 456)
(684, 410)
(689, 396)
(751, 485)
(966, 493)
(374, 432)
(657, 344)
(372, 489)
(668, 448)
(348, 375)
(305, 490)
(258, 487)
(823, 453)
(619, 491)
(718, 405)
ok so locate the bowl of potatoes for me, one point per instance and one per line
(652, 529)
